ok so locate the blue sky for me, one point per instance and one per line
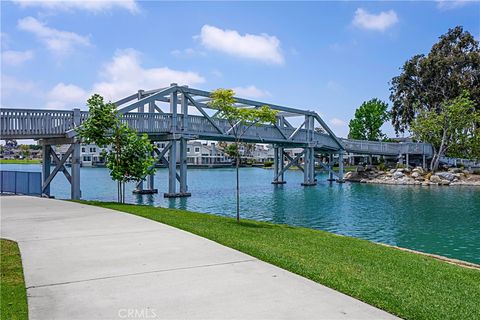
(322, 56)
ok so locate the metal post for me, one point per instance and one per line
(172, 154)
(184, 112)
(330, 164)
(75, 183)
(46, 162)
(275, 163)
(340, 167)
(407, 161)
(424, 162)
(183, 168)
(309, 164)
(281, 164)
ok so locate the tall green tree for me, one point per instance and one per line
(240, 120)
(368, 120)
(453, 130)
(129, 155)
(428, 82)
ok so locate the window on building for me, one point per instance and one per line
(93, 149)
(83, 149)
(87, 158)
(197, 149)
(188, 149)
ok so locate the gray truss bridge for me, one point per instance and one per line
(179, 113)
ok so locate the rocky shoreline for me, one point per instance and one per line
(416, 176)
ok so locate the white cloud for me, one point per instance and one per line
(15, 58)
(336, 122)
(452, 4)
(251, 92)
(261, 47)
(58, 41)
(124, 75)
(66, 96)
(379, 22)
(87, 5)
(188, 52)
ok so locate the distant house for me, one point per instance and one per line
(90, 154)
(200, 153)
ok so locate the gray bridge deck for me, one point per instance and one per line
(187, 118)
(46, 124)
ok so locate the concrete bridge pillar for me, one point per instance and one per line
(278, 174)
(340, 168)
(183, 167)
(46, 163)
(309, 163)
(330, 164)
(75, 173)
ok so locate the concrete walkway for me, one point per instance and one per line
(84, 262)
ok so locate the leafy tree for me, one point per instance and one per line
(129, 157)
(454, 129)
(428, 82)
(25, 151)
(240, 120)
(368, 120)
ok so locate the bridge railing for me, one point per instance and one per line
(394, 148)
(18, 122)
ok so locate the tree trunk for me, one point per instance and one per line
(238, 186)
(441, 151)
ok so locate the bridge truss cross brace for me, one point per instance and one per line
(73, 177)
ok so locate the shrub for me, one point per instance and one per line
(382, 166)
(268, 164)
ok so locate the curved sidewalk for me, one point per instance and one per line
(85, 262)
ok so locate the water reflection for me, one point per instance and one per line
(441, 220)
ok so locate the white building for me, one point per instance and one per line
(91, 155)
(201, 153)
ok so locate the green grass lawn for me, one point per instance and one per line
(13, 303)
(409, 285)
(20, 161)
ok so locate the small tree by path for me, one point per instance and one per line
(240, 120)
(453, 129)
(129, 157)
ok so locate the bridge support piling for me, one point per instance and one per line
(330, 166)
(424, 162)
(173, 176)
(75, 183)
(183, 168)
(340, 168)
(407, 161)
(278, 174)
(309, 161)
(46, 162)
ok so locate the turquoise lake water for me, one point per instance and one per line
(439, 220)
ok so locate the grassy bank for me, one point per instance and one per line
(406, 284)
(13, 301)
(20, 161)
